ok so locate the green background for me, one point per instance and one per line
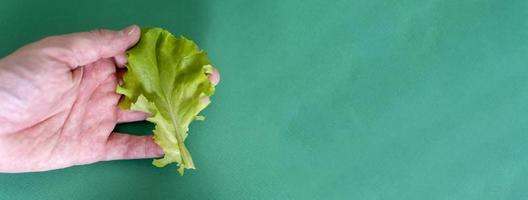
(343, 99)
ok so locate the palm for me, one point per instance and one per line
(64, 115)
(76, 128)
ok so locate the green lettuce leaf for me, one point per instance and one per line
(167, 77)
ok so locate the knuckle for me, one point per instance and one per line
(97, 32)
(49, 39)
(101, 34)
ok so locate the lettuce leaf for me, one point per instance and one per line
(167, 77)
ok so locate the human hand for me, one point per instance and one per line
(58, 104)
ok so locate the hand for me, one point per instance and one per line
(58, 104)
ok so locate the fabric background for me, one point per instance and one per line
(344, 99)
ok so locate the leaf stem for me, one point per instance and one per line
(186, 158)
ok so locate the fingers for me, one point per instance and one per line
(123, 146)
(120, 60)
(205, 100)
(79, 49)
(131, 116)
(214, 77)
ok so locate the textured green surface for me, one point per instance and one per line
(321, 100)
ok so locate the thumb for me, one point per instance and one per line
(83, 48)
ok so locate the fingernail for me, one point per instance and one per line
(129, 30)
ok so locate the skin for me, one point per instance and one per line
(58, 104)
